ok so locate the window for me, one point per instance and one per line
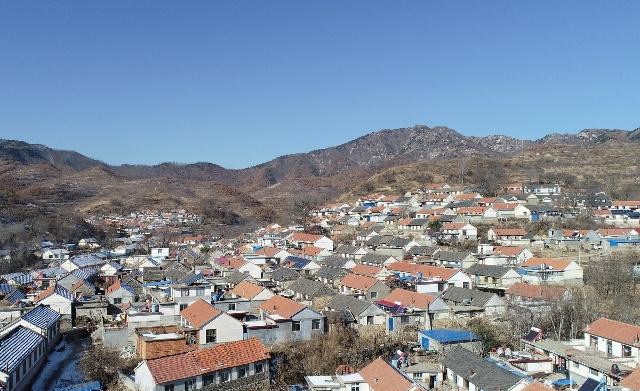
(404, 319)
(594, 341)
(117, 300)
(417, 375)
(355, 387)
(183, 306)
(200, 292)
(224, 376)
(242, 371)
(465, 285)
(374, 295)
(258, 367)
(169, 387)
(369, 319)
(295, 326)
(609, 347)
(208, 379)
(190, 385)
(211, 336)
(593, 371)
(626, 351)
(232, 306)
(185, 292)
(191, 339)
(315, 324)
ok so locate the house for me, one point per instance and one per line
(535, 297)
(406, 307)
(506, 236)
(377, 376)
(431, 279)
(355, 311)
(301, 239)
(468, 302)
(551, 270)
(203, 324)
(295, 321)
(88, 243)
(468, 371)
(511, 210)
(490, 276)
(160, 252)
(119, 294)
(350, 252)
(255, 293)
(58, 299)
(379, 273)
(459, 231)
(283, 275)
(82, 261)
(489, 254)
(330, 275)
(22, 352)
(302, 265)
(455, 259)
(617, 339)
(55, 254)
(237, 363)
(443, 340)
(542, 189)
(631, 382)
(161, 341)
(377, 259)
(41, 319)
(363, 287)
(308, 290)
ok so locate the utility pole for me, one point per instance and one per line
(462, 171)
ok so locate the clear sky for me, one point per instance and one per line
(240, 82)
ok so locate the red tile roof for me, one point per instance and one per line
(427, 271)
(537, 386)
(380, 376)
(366, 270)
(632, 381)
(113, 287)
(282, 306)
(558, 264)
(199, 313)
(617, 331)
(268, 251)
(246, 290)
(409, 298)
(361, 283)
(626, 203)
(191, 364)
(304, 237)
(508, 250)
(543, 292)
(504, 206)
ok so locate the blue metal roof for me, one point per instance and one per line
(446, 336)
(89, 386)
(6, 288)
(193, 279)
(42, 316)
(87, 260)
(297, 262)
(157, 283)
(16, 346)
(15, 296)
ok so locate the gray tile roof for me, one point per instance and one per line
(479, 371)
(330, 273)
(311, 288)
(422, 250)
(398, 242)
(284, 274)
(450, 256)
(375, 259)
(348, 303)
(488, 270)
(333, 261)
(459, 295)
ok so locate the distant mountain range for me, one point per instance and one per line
(69, 178)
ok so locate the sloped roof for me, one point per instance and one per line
(247, 290)
(195, 363)
(311, 288)
(330, 273)
(494, 271)
(614, 330)
(199, 313)
(348, 303)
(409, 298)
(366, 270)
(16, 346)
(354, 281)
(484, 374)
(543, 292)
(631, 382)
(426, 270)
(282, 306)
(458, 295)
(380, 376)
(55, 289)
(285, 274)
(41, 316)
(558, 264)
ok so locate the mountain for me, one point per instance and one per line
(67, 179)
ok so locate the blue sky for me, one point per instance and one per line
(240, 82)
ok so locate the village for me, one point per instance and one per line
(463, 291)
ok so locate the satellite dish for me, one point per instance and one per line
(507, 352)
